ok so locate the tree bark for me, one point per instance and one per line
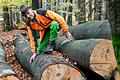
(94, 54)
(80, 16)
(44, 67)
(2, 53)
(69, 19)
(114, 19)
(35, 4)
(6, 18)
(93, 29)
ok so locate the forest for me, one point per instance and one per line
(93, 55)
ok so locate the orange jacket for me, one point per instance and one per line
(43, 20)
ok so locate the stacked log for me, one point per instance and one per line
(92, 29)
(94, 54)
(6, 72)
(6, 39)
(45, 67)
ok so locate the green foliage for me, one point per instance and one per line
(116, 45)
(15, 2)
(13, 5)
(63, 6)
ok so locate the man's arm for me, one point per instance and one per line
(32, 43)
(58, 18)
(62, 23)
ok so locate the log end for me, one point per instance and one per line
(117, 75)
(9, 77)
(102, 59)
(62, 72)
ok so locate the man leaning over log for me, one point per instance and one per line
(48, 23)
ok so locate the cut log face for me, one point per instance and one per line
(117, 75)
(61, 72)
(9, 77)
(102, 59)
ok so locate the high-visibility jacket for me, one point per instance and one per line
(43, 20)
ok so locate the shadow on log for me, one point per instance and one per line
(94, 54)
(44, 67)
(92, 29)
(5, 69)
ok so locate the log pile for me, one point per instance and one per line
(94, 54)
(45, 67)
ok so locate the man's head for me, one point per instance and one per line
(27, 11)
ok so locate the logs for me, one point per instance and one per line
(2, 53)
(44, 67)
(5, 69)
(92, 29)
(94, 54)
(7, 40)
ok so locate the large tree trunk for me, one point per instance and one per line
(94, 54)
(114, 18)
(92, 29)
(44, 67)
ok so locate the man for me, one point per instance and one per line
(48, 23)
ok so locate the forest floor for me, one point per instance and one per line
(7, 39)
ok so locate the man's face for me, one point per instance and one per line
(30, 14)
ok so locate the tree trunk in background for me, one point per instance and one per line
(69, 20)
(87, 9)
(35, 4)
(6, 18)
(64, 14)
(93, 10)
(40, 3)
(81, 15)
(114, 18)
(104, 12)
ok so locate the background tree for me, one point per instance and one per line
(35, 4)
(11, 12)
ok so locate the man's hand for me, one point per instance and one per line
(33, 57)
(69, 36)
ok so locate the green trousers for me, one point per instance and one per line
(51, 34)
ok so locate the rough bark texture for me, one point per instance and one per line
(2, 53)
(92, 29)
(91, 54)
(42, 62)
(114, 18)
(35, 4)
(6, 18)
